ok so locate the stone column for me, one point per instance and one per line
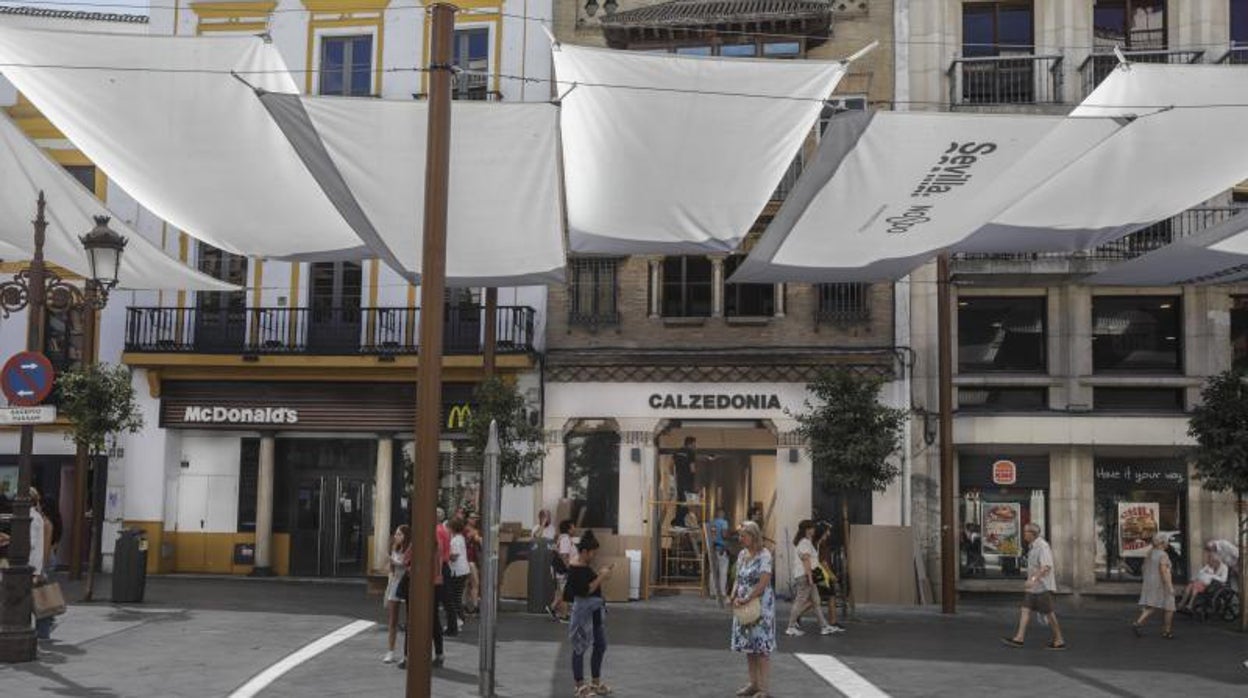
(264, 508)
(779, 302)
(717, 286)
(656, 286)
(382, 485)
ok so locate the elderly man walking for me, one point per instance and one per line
(1041, 583)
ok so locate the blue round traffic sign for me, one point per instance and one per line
(27, 378)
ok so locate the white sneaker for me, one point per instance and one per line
(828, 630)
(794, 631)
(389, 658)
(837, 629)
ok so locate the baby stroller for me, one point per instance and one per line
(1218, 601)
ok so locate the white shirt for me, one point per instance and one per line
(1041, 555)
(1209, 574)
(548, 532)
(805, 547)
(459, 556)
(565, 545)
(36, 543)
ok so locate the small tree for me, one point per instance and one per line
(1220, 427)
(851, 436)
(521, 441)
(98, 401)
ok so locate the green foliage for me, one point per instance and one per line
(1220, 427)
(521, 443)
(98, 401)
(851, 434)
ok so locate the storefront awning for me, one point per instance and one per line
(25, 170)
(1216, 255)
(668, 154)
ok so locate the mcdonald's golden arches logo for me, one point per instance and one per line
(457, 417)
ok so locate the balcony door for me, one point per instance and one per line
(221, 316)
(334, 313)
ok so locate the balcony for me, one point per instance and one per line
(1005, 80)
(789, 180)
(321, 331)
(1098, 66)
(1236, 55)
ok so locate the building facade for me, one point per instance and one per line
(1071, 400)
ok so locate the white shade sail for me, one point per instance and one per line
(1216, 255)
(25, 170)
(504, 223)
(678, 154)
(170, 124)
(886, 190)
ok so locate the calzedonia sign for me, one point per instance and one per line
(714, 401)
(194, 414)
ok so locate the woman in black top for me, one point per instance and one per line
(584, 590)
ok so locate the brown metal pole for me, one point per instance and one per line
(948, 541)
(17, 634)
(82, 458)
(429, 373)
(490, 353)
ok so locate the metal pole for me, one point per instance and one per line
(489, 573)
(17, 634)
(82, 458)
(429, 372)
(491, 332)
(948, 541)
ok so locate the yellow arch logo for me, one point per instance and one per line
(457, 417)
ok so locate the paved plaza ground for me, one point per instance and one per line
(207, 637)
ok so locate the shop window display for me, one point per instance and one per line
(1000, 495)
(592, 477)
(1135, 499)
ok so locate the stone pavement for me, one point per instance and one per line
(207, 637)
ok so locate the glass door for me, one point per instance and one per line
(220, 316)
(352, 520)
(306, 539)
(334, 316)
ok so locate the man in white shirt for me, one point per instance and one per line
(1039, 588)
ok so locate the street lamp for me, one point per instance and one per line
(37, 290)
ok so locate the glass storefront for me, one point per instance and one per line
(999, 495)
(1135, 499)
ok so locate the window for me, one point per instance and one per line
(472, 53)
(347, 65)
(1137, 399)
(1003, 399)
(592, 292)
(1137, 334)
(1136, 499)
(1135, 25)
(248, 483)
(1002, 334)
(782, 49)
(694, 50)
(996, 28)
(85, 174)
(746, 300)
(739, 50)
(686, 287)
(227, 267)
(63, 340)
(993, 515)
(1239, 22)
(592, 477)
(1239, 332)
(741, 46)
(843, 303)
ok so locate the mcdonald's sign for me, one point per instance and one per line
(457, 416)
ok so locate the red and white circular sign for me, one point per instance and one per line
(1004, 472)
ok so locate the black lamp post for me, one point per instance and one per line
(37, 290)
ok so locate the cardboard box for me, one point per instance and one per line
(515, 580)
(615, 589)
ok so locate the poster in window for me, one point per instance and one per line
(8, 481)
(1137, 524)
(1002, 529)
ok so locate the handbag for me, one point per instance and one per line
(749, 612)
(404, 587)
(48, 600)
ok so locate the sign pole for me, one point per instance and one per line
(17, 635)
(948, 541)
(429, 372)
(489, 572)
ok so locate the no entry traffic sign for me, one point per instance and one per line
(27, 378)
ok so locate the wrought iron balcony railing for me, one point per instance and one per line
(1003, 80)
(1098, 66)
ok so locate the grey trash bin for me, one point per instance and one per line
(541, 583)
(129, 566)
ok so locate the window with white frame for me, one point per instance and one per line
(347, 65)
(471, 54)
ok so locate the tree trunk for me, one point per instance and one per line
(849, 588)
(97, 526)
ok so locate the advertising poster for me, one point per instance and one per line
(8, 481)
(1137, 524)
(1003, 529)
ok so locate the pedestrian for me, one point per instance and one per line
(1157, 592)
(460, 571)
(685, 466)
(41, 535)
(719, 543)
(752, 596)
(1214, 570)
(439, 597)
(565, 550)
(825, 578)
(444, 545)
(805, 596)
(1039, 588)
(472, 537)
(544, 529)
(400, 544)
(587, 626)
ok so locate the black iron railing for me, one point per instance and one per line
(320, 331)
(1018, 79)
(593, 291)
(843, 303)
(1237, 55)
(789, 180)
(1098, 66)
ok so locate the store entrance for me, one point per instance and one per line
(330, 535)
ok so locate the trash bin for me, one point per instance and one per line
(129, 566)
(541, 583)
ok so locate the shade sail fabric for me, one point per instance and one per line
(504, 223)
(166, 120)
(1216, 255)
(670, 154)
(1179, 151)
(886, 190)
(25, 170)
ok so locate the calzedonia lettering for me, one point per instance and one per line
(714, 401)
(240, 415)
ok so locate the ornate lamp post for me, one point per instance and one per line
(37, 290)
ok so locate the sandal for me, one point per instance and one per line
(1011, 642)
(600, 689)
(1056, 647)
(583, 691)
(1169, 634)
(747, 690)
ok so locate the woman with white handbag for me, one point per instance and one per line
(754, 610)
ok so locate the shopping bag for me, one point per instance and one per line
(48, 600)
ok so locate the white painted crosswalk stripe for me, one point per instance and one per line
(262, 680)
(840, 676)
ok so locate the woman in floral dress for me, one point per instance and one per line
(757, 640)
